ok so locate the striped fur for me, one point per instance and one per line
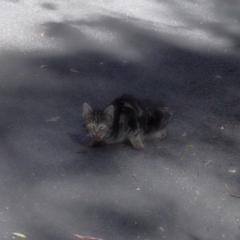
(127, 119)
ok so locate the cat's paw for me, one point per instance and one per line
(138, 146)
(162, 136)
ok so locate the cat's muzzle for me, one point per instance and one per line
(97, 137)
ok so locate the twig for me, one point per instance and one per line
(230, 192)
(86, 237)
(208, 162)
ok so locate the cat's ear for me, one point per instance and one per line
(87, 110)
(109, 112)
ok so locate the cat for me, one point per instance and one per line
(126, 119)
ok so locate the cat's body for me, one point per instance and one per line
(127, 119)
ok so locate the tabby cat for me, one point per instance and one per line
(127, 119)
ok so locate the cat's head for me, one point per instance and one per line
(98, 123)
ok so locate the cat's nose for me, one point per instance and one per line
(97, 137)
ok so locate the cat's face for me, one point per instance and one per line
(97, 123)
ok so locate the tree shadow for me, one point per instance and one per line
(202, 90)
(49, 6)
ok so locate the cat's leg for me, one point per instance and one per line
(159, 134)
(136, 140)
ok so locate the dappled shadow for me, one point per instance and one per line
(168, 190)
(13, 1)
(131, 222)
(179, 77)
(49, 6)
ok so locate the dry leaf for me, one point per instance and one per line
(227, 187)
(73, 70)
(208, 162)
(232, 170)
(44, 66)
(190, 146)
(53, 119)
(135, 176)
(86, 237)
(162, 229)
(19, 235)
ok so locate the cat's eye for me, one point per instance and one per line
(102, 126)
(90, 125)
